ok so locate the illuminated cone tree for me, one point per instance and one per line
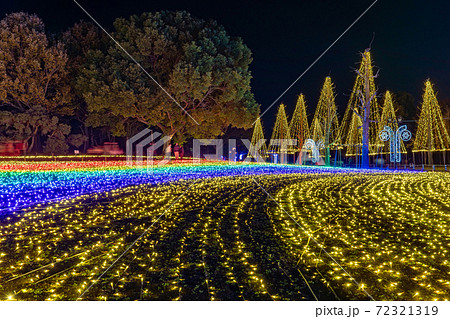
(431, 133)
(279, 142)
(362, 108)
(298, 127)
(388, 118)
(325, 125)
(258, 144)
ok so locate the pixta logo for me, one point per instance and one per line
(141, 149)
(148, 141)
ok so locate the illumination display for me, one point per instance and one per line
(50, 182)
(351, 127)
(325, 125)
(298, 126)
(209, 232)
(314, 148)
(258, 147)
(395, 139)
(279, 142)
(431, 133)
(389, 232)
(389, 118)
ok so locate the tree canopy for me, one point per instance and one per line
(204, 69)
(33, 86)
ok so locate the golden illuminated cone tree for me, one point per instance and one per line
(388, 118)
(431, 133)
(354, 134)
(258, 144)
(298, 127)
(325, 126)
(280, 140)
(362, 104)
(446, 114)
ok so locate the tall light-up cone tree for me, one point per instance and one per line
(388, 118)
(280, 140)
(354, 136)
(258, 148)
(298, 127)
(362, 104)
(325, 126)
(431, 133)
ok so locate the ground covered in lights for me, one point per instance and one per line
(107, 231)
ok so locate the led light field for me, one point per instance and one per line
(52, 181)
(389, 232)
(211, 232)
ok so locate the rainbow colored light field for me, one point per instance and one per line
(108, 231)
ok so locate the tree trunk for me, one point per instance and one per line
(86, 132)
(335, 157)
(365, 145)
(430, 154)
(327, 156)
(327, 145)
(366, 122)
(33, 140)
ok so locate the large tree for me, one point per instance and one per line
(202, 68)
(84, 43)
(361, 119)
(33, 87)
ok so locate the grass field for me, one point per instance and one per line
(222, 232)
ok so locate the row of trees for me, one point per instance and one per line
(79, 87)
(361, 124)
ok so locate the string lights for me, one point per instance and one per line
(298, 127)
(389, 232)
(279, 142)
(325, 127)
(351, 133)
(431, 133)
(205, 247)
(388, 118)
(258, 145)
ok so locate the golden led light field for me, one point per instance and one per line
(354, 236)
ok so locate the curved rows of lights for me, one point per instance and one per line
(22, 189)
(220, 241)
(389, 232)
(194, 252)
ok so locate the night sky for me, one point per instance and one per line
(411, 40)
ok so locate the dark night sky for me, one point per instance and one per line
(411, 41)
